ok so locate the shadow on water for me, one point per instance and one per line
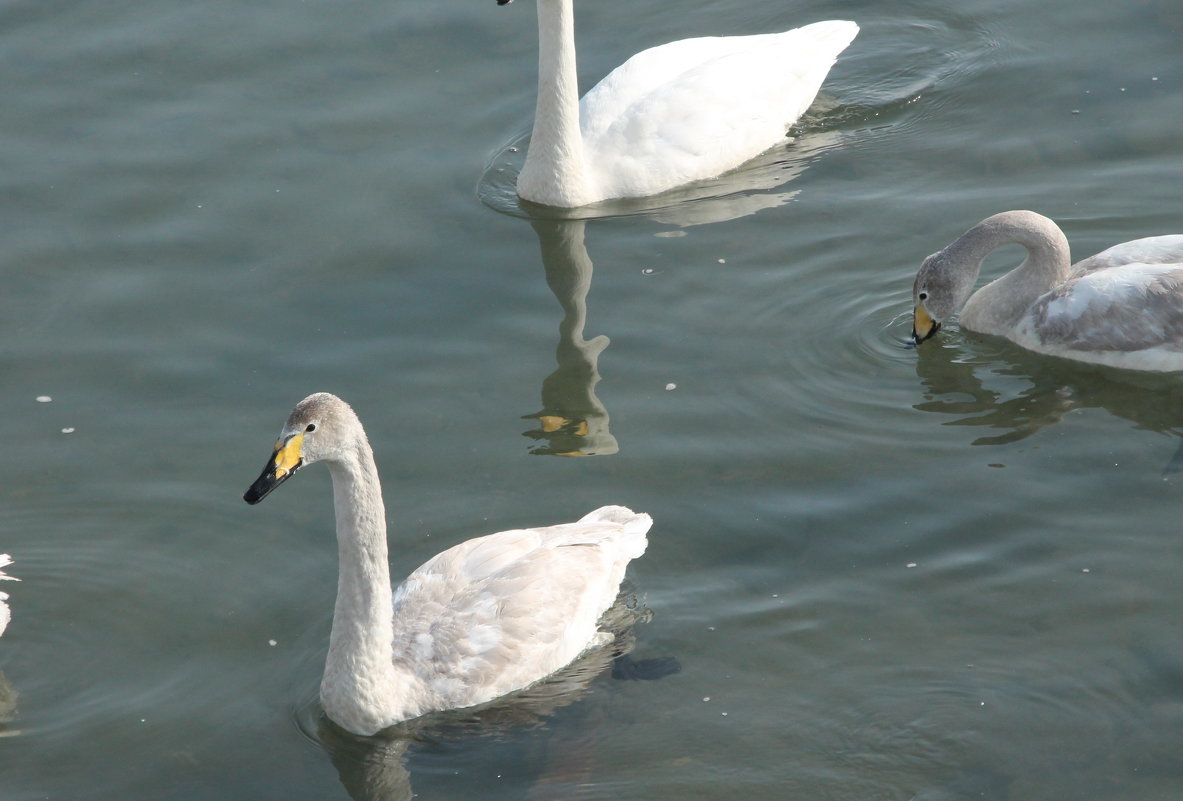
(572, 420)
(380, 767)
(975, 385)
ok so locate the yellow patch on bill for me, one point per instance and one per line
(288, 456)
(922, 323)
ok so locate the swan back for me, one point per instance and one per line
(695, 108)
(1148, 250)
(500, 612)
(813, 49)
(1129, 308)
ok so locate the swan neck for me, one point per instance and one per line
(361, 642)
(998, 306)
(1047, 248)
(568, 270)
(554, 172)
(361, 530)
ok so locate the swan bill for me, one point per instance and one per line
(923, 326)
(287, 459)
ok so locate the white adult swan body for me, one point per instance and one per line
(1122, 307)
(482, 619)
(673, 114)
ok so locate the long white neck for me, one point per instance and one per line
(359, 684)
(555, 172)
(997, 306)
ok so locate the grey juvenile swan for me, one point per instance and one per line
(482, 619)
(1122, 307)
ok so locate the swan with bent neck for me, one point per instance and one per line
(482, 619)
(671, 115)
(1122, 307)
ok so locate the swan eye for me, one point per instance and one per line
(310, 428)
(923, 296)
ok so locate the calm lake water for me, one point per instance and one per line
(885, 574)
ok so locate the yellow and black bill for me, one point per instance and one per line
(923, 326)
(285, 461)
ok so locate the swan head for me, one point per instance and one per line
(942, 286)
(318, 429)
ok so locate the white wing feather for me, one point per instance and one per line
(695, 108)
(497, 613)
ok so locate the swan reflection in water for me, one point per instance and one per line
(959, 387)
(379, 768)
(572, 421)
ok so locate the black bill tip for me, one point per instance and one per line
(932, 332)
(265, 483)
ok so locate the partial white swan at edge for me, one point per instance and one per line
(677, 113)
(5, 612)
(1122, 307)
(482, 619)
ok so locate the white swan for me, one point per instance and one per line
(482, 619)
(1122, 307)
(5, 613)
(673, 114)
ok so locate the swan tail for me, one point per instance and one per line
(632, 525)
(834, 33)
